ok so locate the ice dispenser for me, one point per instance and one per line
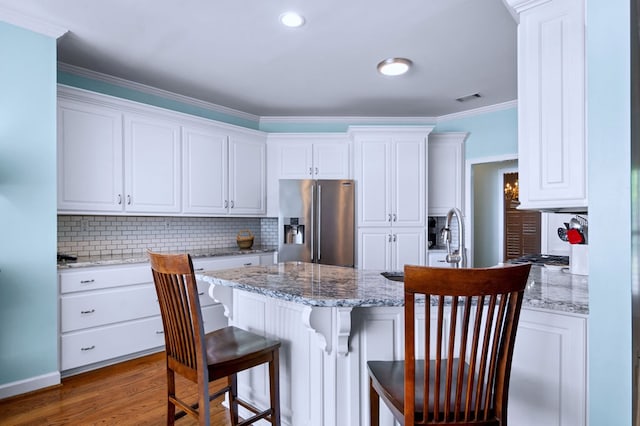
(293, 231)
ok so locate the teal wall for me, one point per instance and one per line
(608, 117)
(150, 99)
(491, 134)
(28, 280)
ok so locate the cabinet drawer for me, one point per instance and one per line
(99, 344)
(95, 308)
(226, 262)
(104, 277)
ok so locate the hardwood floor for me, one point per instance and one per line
(129, 393)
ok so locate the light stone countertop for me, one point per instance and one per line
(323, 285)
(124, 259)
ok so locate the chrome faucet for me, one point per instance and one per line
(457, 257)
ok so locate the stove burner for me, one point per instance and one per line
(542, 259)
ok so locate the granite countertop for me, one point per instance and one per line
(323, 285)
(83, 262)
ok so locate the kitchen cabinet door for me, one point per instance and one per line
(389, 249)
(446, 177)
(408, 247)
(295, 160)
(374, 182)
(374, 248)
(247, 175)
(89, 158)
(205, 183)
(549, 370)
(312, 156)
(390, 170)
(552, 148)
(409, 181)
(152, 165)
(331, 160)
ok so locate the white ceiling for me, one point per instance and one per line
(235, 53)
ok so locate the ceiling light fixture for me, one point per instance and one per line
(394, 66)
(292, 19)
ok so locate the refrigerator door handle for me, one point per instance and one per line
(313, 222)
(319, 210)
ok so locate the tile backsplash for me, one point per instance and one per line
(117, 235)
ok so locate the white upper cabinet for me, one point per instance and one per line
(118, 156)
(89, 158)
(552, 153)
(223, 172)
(151, 164)
(312, 156)
(390, 169)
(247, 174)
(204, 171)
(445, 171)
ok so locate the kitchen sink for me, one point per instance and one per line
(394, 276)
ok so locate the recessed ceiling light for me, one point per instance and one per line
(292, 19)
(394, 66)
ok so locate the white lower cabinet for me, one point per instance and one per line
(389, 249)
(548, 375)
(438, 258)
(111, 313)
(549, 372)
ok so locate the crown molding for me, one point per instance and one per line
(32, 24)
(516, 7)
(139, 87)
(478, 111)
(346, 120)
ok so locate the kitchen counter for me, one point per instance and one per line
(332, 286)
(332, 320)
(83, 262)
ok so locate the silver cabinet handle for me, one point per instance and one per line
(394, 217)
(159, 332)
(310, 171)
(390, 237)
(119, 199)
(395, 237)
(88, 348)
(201, 293)
(226, 204)
(232, 205)
(199, 269)
(88, 312)
(389, 217)
(128, 200)
(248, 264)
(87, 281)
(316, 170)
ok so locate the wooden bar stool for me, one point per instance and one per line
(469, 337)
(203, 358)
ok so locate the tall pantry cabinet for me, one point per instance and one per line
(390, 172)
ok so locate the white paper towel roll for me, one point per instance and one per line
(579, 259)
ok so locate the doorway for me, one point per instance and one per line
(522, 228)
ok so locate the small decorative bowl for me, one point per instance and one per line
(244, 239)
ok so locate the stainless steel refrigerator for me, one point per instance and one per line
(317, 221)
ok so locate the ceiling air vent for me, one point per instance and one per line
(468, 97)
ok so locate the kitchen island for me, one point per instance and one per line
(332, 320)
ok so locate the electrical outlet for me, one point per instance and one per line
(84, 225)
(167, 225)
